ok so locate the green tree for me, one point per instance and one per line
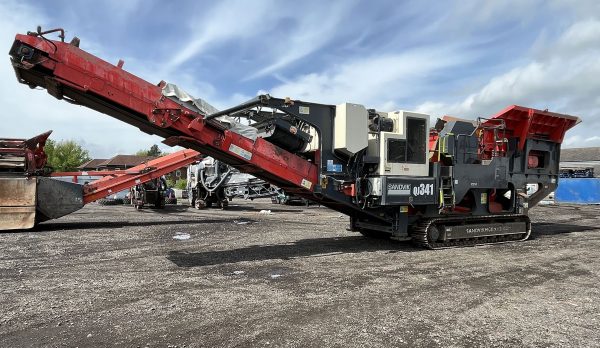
(154, 151)
(65, 155)
(179, 184)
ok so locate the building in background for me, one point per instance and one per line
(91, 164)
(580, 162)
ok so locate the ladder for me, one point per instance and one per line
(447, 198)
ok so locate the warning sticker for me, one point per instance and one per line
(245, 154)
(331, 167)
(305, 110)
(484, 198)
(305, 183)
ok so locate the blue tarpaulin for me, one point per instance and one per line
(578, 190)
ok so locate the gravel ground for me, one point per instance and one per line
(112, 276)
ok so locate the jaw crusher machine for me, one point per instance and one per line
(457, 183)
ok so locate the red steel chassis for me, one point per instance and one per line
(75, 75)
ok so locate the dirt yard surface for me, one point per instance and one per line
(112, 276)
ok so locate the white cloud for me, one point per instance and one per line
(594, 139)
(580, 36)
(310, 33)
(375, 81)
(561, 76)
(30, 112)
(560, 72)
(227, 20)
(310, 25)
(486, 12)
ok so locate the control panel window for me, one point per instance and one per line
(396, 152)
(415, 140)
(414, 148)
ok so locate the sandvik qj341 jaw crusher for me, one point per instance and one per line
(457, 183)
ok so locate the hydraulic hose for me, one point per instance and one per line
(217, 185)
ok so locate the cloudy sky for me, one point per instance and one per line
(463, 58)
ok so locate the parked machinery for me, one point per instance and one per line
(206, 181)
(149, 193)
(459, 183)
(577, 172)
(246, 186)
(282, 197)
(213, 183)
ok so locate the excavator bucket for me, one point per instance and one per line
(57, 198)
(27, 201)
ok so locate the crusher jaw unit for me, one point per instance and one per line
(26, 195)
(458, 183)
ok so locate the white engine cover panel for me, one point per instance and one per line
(350, 128)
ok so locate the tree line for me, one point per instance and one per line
(67, 155)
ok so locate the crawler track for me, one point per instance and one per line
(423, 232)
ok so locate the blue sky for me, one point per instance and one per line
(464, 58)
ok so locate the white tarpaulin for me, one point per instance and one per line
(171, 90)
